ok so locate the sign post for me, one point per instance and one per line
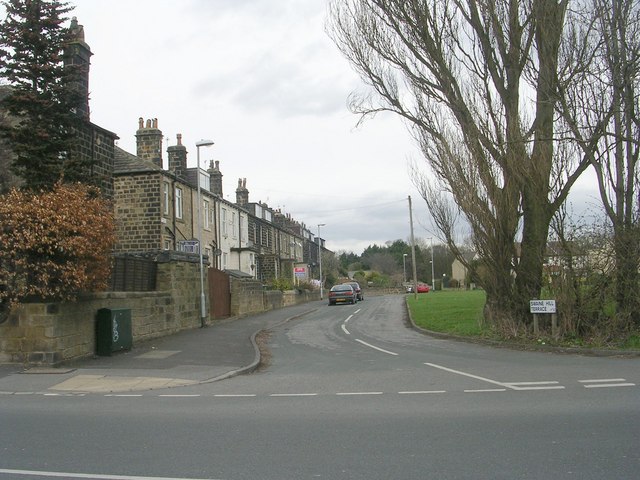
(544, 307)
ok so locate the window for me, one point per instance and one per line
(178, 202)
(165, 195)
(206, 214)
(244, 229)
(234, 225)
(223, 221)
(225, 259)
(167, 244)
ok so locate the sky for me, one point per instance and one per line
(263, 80)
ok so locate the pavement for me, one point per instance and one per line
(222, 350)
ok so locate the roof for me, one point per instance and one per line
(125, 162)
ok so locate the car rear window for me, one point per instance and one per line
(342, 287)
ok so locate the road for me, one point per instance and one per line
(349, 393)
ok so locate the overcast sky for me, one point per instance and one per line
(262, 79)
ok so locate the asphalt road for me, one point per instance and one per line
(349, 393)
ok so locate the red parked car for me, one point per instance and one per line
(423, 288)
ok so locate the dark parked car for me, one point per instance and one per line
(342, 294)
(356, 287)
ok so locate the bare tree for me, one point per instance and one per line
(601, 108)
(476, 82)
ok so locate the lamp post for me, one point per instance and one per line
(203, 303)
(404, 267)
(433, 279)
(320, 257)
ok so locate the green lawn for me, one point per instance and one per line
(449, 311)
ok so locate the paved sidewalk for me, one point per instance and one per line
(191, 357)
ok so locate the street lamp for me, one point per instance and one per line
(404, 267)
(203, 306)
(320, 257)
(433, 280)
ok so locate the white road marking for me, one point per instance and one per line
(179, 396)
(348, 318)
(606, 383)
(457, 372)
(603, 380)
(610, 385)
(293, 395)
(344, 329)
(550, 385)
(374, 347)
(486, 390)
(123, 395)
(419, 392)
(90, 476)
(359, 393)
(236, 395)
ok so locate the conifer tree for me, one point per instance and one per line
(44, 93)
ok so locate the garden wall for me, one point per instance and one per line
(57, 333)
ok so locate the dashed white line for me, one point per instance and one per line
(293, 395)
(235, 395)
(344, 329)
(610, 385)
(375, 348)
(124, 395)
(606, 383)
(603, 380)
(486, 390)
(421, 392)
(178, 396)
(358, 393)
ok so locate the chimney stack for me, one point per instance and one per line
(178, 158)
(149, 141)
(215, 178)
(242, 194)
(77, 55)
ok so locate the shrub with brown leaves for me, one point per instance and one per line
(54, 244)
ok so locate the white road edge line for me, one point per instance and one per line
(344, 329)
(90, 476)
(375, 348)
(348, 318)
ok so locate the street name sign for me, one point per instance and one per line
(542, 306)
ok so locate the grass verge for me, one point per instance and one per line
(458, 312)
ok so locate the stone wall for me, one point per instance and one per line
(249, 297)
(58, 333)
(54, 333)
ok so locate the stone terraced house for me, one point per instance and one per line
(156, 209)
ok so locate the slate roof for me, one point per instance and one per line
(125, 162)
